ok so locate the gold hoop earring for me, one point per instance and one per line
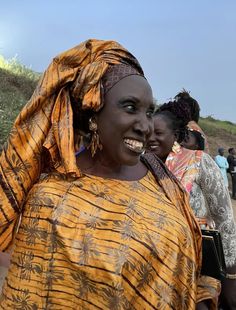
(94, 143)
(176, 147)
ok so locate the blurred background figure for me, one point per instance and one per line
(232, 169)
(222, 163)
(202, 179)
(195, 138)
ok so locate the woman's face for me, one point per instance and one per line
(125, 122)
(190, 142)
(163, 137)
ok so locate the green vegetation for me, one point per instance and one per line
(211, 126)
(17, 85)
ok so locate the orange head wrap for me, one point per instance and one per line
(193, 126)
(46, 121)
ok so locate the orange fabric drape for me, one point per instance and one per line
(46, 122)
(95, 243)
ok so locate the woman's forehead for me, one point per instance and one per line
(133, 86)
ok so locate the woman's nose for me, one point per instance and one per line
(144, 126)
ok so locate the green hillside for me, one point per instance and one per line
(17, 83)
(219, 133)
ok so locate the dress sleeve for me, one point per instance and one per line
(219, 206)
(9, 212)
(16, 179)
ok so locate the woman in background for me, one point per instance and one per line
(202, 179)
(195, 138)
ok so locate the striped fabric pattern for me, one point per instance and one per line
(93, 243)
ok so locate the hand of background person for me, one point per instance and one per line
(206, 223)
(228, 294)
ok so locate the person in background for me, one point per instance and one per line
(222, 163)
(191, 104)
(202, 179)
(231, 158)
(196, 138)
(97, 227)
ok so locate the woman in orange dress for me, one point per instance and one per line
(101, 229)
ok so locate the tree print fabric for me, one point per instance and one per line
(93, 243)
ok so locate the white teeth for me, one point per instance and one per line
(134, 144)
(153, 147)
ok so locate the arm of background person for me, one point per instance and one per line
(230, 160)
(221, 211)
(219, 206)
(226, 164)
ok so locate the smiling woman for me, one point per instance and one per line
(124, 125)
(202, 179)
(97, 227)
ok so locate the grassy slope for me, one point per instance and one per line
(17, 83)
(16, 86)
(219, 134)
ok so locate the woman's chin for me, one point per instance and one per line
(130, 160)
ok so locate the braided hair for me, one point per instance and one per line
(192, 104)
(178, 115)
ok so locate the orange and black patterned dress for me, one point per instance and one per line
(94, 243)
(85, 242)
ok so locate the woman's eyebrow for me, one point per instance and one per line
(131, 98)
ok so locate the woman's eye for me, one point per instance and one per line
(130, 107)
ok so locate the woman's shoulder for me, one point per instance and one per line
(193, 153)
(185, 155)
(209, 165)
(49, 184)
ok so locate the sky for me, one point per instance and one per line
(180, 44)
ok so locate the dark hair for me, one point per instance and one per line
(200, 140)
(80, 117)
(192, 104)
(230, 149)
(178, 116)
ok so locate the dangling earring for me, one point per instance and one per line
(94, 143)
(176, 147)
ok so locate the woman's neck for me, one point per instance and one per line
(99, 167)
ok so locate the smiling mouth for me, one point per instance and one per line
(134, 145)
(152, 148)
